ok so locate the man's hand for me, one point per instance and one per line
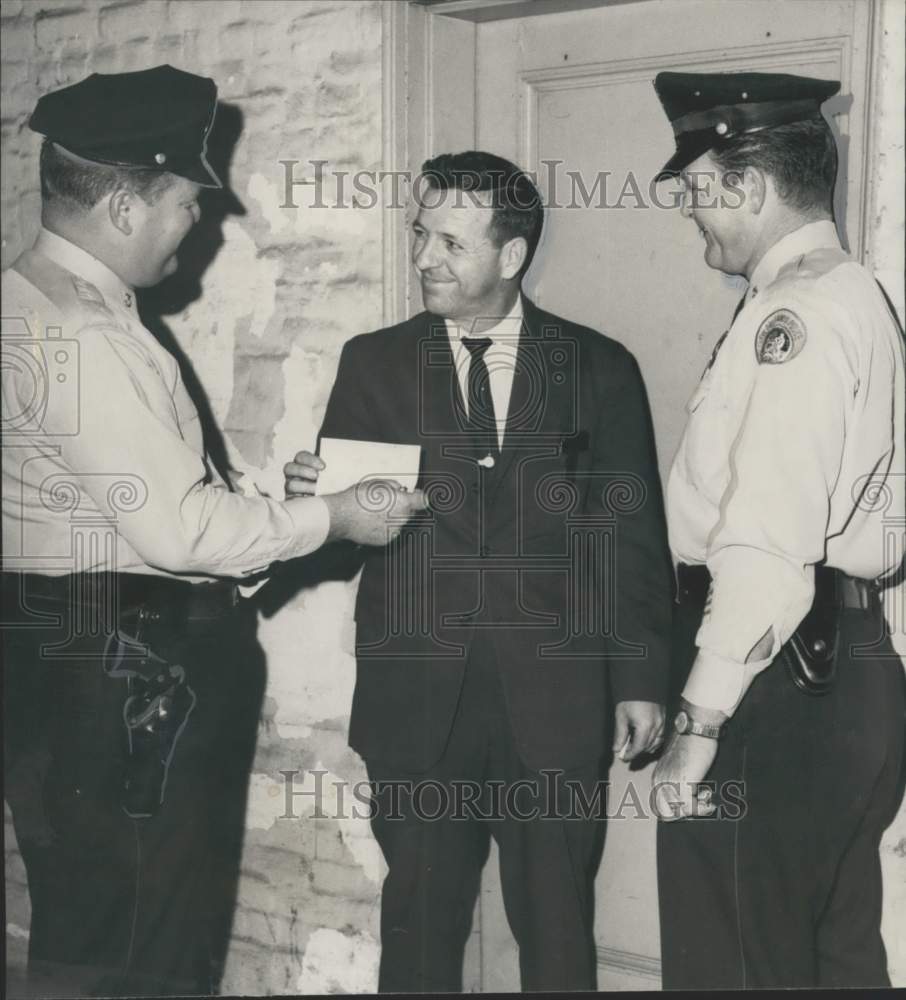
(372, 512)
(301, 475)
(685, 763)
(641, 723)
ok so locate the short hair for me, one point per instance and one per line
(84, 184)
(518, 210)
(801, 157)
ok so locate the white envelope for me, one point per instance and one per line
(349, 462)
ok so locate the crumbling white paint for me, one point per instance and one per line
(308, 677)
(269, 197)
(266, 802)
(334, 962)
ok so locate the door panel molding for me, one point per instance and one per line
(786, 54)
(832, 55)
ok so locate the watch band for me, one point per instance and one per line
(684, 724)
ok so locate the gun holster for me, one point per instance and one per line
(810, 654)
(157, 707)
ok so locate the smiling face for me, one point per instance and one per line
(716, 203)
(464, 275)
(159, 227)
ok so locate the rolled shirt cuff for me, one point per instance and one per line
(719, 683)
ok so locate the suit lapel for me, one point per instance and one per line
(543, 389)
(436, 390)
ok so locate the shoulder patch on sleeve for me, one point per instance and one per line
(780, 338)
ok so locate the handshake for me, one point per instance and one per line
(371, 512)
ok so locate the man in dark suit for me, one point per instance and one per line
(495, 637)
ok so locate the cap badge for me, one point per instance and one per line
(780, 338)
(160, 158)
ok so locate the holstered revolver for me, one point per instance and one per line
(155, 712)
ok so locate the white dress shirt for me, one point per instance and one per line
(500, 359)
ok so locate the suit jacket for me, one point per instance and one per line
(557, 554)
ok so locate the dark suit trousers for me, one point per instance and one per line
(789, 895)
(126, 906)
(546, 860)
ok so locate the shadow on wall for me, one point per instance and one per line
(337, 561)
(836, 108)
(248, 684)
(195, 256)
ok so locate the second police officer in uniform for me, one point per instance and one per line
(779, 506)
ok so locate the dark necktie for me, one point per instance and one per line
(480, 404)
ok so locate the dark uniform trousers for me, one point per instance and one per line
(547, 862)
(789, 895)
(125, 906)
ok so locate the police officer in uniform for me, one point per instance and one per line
(131, 677)
(780, 502)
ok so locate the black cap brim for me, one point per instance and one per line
(201, 173)
(690, 147)
(197, 170)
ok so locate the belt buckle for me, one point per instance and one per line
(209, 601)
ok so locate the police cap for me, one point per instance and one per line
(157, 118)
(706, 109)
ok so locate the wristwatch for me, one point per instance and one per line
(684, 724)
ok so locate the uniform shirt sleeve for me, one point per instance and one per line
(175, 517)
(784, 465)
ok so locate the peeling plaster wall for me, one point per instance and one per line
(285, 290)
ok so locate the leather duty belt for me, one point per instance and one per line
(832, 586)
(124, 592)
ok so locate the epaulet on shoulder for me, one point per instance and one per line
(86, 292)
(814, 265)
(92, 306)
(77, 302)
